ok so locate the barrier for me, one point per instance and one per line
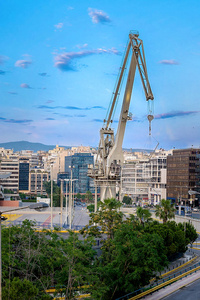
(161, 283)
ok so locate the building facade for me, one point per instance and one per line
(144, 178)
(24, 176)
(183, 174)
(78, 165)
(10, 165)
(37, 179)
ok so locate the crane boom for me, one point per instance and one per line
(110, 155)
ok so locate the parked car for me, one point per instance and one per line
(195, 209)
(188, 213)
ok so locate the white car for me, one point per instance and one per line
(195, 209)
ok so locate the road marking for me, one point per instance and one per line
(48, 221)
(11, 217)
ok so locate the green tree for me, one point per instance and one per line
(44, 259)
(165, 210)
(88, 196)
(135, 258)
(56, 192)
(19, 289)
(90, 208)
(143, 214)
(107, 217)
(78, 196)
(127, 200)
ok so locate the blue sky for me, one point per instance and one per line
(59, 62)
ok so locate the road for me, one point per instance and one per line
(81, 216)
(188, 292)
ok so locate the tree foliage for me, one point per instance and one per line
(133, 250)
(165, 210)
(108, 219)
(143, 214)
(127, 200)
(88, 196)
(43, 259)
(56, 192)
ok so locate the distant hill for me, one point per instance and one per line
(24, 145)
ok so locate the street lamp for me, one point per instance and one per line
(70, 199)
(51, 196)
(73, 197)
(37, 206)
(61, 202)
(66, 220)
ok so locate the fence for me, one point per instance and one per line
(161, 283)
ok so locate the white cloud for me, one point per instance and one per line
(59, 25)
(169, 62)
(64, 60)
(98, 16)
(23, 63)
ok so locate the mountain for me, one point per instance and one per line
(24, 145)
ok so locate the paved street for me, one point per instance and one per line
(182, 289)
(188, 292)
(81, 216)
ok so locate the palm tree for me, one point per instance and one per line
(143, 214)
(165, 210)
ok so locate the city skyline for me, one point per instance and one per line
(59, 62)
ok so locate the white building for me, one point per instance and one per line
(144, 178)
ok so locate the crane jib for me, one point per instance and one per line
(106, 172)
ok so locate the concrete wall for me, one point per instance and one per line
(9, 203)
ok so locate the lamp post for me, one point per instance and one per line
(37, 206)
(66, 220)
(73, 198)
(95, 199)
(51, 196)
(61, 202)
(70, 200)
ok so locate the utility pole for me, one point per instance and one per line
(66, 208)
(61, 202)
(70, 201)
(95, 199)
(51, 196)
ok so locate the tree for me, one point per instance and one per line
(56, 192)
(135, 258)
(143, 214)
(19, 289)
(165, 210)
(78, 196)
(107, 217)
(88, 196)
(90, 208)
(127, 200)
(40, 260)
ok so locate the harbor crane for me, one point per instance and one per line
(107, 169)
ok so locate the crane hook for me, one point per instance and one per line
(150, 118)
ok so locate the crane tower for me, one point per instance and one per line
(107, 169)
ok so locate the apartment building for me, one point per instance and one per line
(10, 165)
(79, 163)
(144, 178)
(183, 175)
(24, 175)
(37, 178)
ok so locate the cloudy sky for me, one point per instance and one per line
(59, 62)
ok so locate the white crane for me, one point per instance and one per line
(107, 169)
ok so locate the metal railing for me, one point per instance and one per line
(161, 283)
